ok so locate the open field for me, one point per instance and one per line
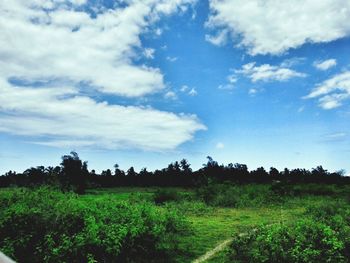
(206, 225)
(212, 225)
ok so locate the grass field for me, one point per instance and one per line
(212, 225)
(209, 225)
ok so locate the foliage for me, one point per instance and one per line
(165, 195)
(228, 195)
(323, 235)
(49, 226)
(73, 175)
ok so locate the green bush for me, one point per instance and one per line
(228, 195)
(48, 226)
(165, 195)
(323, 235)
(337, 216)
(306, 241)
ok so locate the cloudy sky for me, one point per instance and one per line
(148, 82)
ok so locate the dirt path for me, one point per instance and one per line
(212, 252)
(5, 259)
(219, 248)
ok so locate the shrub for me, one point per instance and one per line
(227, 195)
(307, 241)
(165, 195)
(49, 226)
(337, 216)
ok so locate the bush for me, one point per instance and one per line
(322, 236)
(227, 195)
(165, 195)
(337, 216)
(48, 226)
(307, 241)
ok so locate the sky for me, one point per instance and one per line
(146, 82)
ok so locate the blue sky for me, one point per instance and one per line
(145, 83)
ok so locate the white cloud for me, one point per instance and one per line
(252, 91)
(184, 88)
(193, 92)
(220, 145)
(170, 95)
(69, 53)
(62, 117)
(66, 44)
(226, 87)
(219, 39)
(324, 65)
(232, 79)
(332, 91)
(335, 136)
(171, 59)
(158, 32)
(149, 53)
(273, 27)
(301, 109)
(268, 72)
(188, 90)
(291, 62)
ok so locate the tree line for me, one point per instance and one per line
(73, 174)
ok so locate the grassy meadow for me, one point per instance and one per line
(129, 224)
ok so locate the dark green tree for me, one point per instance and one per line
(74, 173)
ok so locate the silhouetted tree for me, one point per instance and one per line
(74, 173)
(274, 173)
(131, 172)
(185, 166)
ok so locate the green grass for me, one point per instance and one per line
(211, 225)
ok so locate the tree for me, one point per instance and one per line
(74, 173)
(274, 172)
(185, 166)
(131, 172)
(117, 171)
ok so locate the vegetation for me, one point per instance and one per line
(71, 214)
(73, 174)
(48, 226)
(323, 235)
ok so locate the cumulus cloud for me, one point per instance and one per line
(333, 91)
(268, 72)
(273, 27)
(52, 53)
(65, 43)
(62, 117)
(326, 64)
(219, 39)
(292, 62)
(149, 53)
